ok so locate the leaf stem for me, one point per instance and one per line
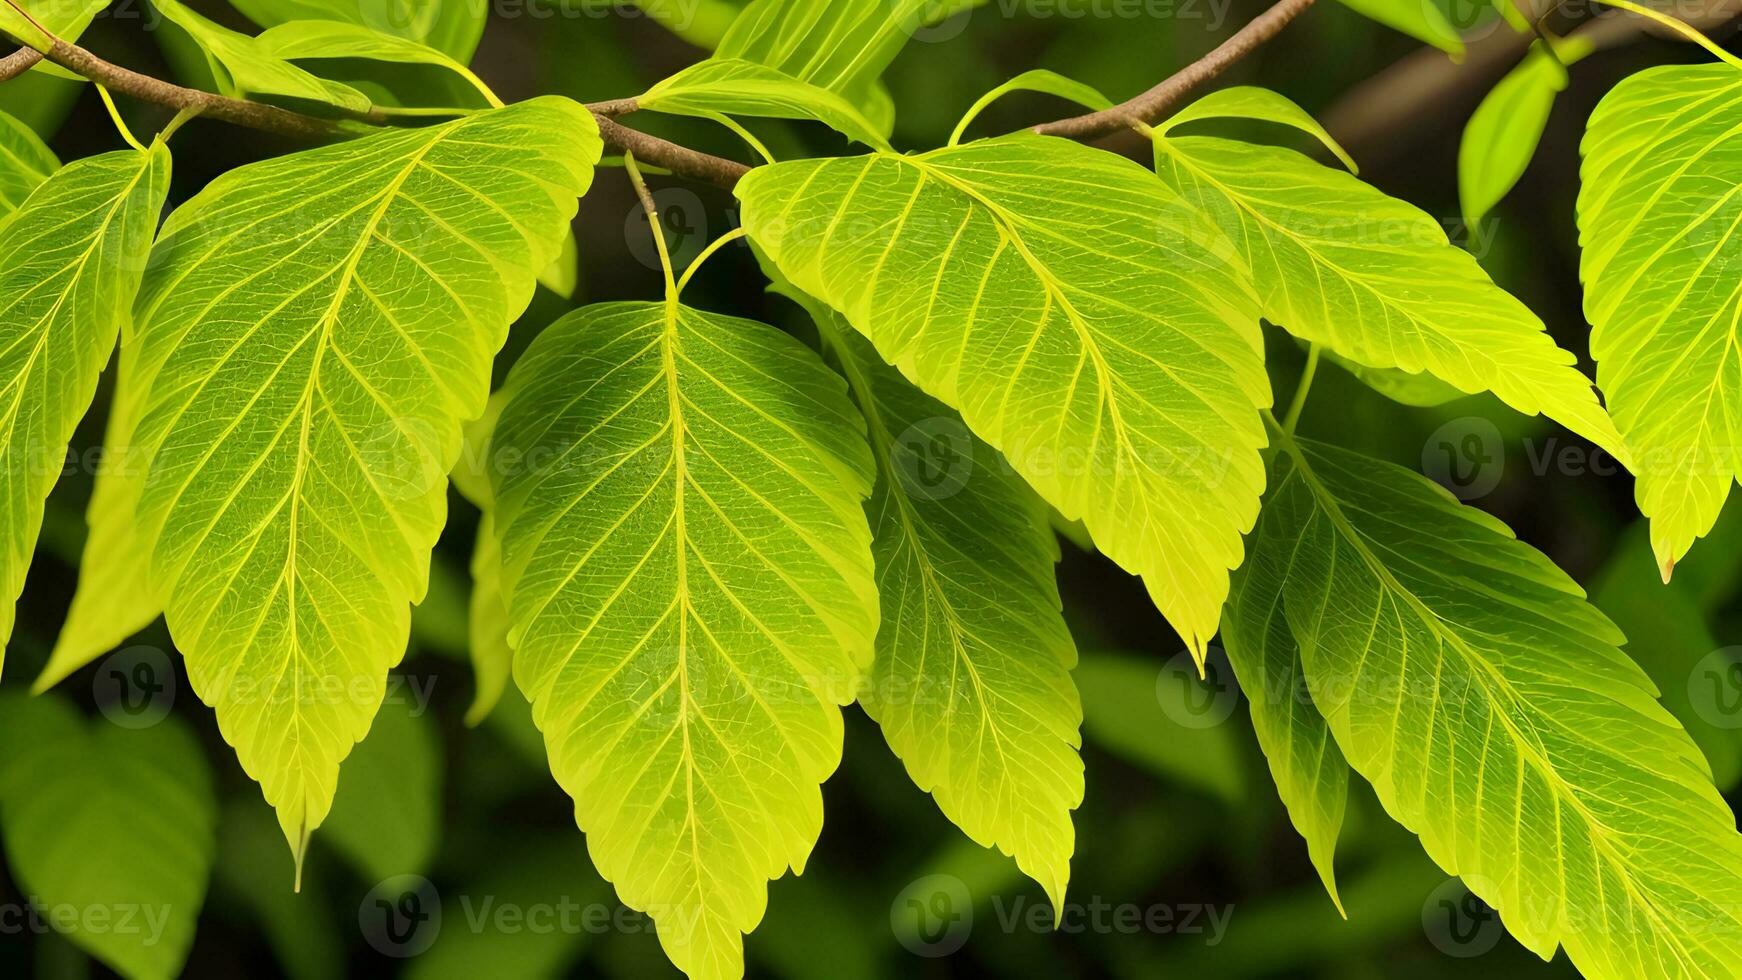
(1300, 390)
(120, 124)
(1680, 28)
(1149, 106)
(713, 246)
(652, 211)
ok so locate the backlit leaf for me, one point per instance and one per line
(1079, 315)
(243, 67)
(450, 26)
(688, 570)
(25, 162)
(317, 328)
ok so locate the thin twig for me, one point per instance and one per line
(18, 62)
(680, 160)
(1149, 106)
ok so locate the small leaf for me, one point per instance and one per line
(315, 39)
(450, 26)
(70, 263)
(688, 571)
(244, 68)
(115, 822)
(1420, 19)
(1261, 104)
(1502, 134)
(735, 87)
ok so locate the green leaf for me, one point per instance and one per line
(1658, 209)
(1502, 134)
(314, 39)
(450, 26)
(387, 816)
(1419, 389)
(1375, 279)
(1038, 80)
(317, 328)
(70, 264)
(1309, 770)
(972, 682)
(732, 86)
(1262, 105)
(244, 68)
(1420, 19)
(688, 571)
(1488, 703)
(488, 624)
(65, 19)
(1023, 282)
(115, 823)
(25, 162)
(114, 598)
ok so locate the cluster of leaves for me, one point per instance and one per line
(703, 537)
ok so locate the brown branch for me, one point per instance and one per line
(18, 62)
(680, 160)
(1149, 106)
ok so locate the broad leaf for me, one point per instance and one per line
(70, 264)
(1488, 703)
(115, 822)
(1375, 279)
(1658, 210)
(450, 26)
(244, 68)
(972, 682)
(25, 162)
(688, 571)
(1023, 282)
(317, 327)
(1502, 134)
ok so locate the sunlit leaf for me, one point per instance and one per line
(317, 328)
(243, 67)
(25, 162)
(1502, 134)
(450, 26)
(1658, 212)
(1046, 291)
(688, 571)
(1491, 708)
(70, 263)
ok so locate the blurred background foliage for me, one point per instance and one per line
(1180, 812)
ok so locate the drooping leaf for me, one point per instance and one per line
(242, 67)
(688, 571)
(1424, 21)
(732, 86)
(386, 817)
(1022, 281)
(972, 683)
(315, 39)
(450, 26)
(1417, 388)
(1376, 280)
(1037, 80)
(115, 822)
(487, 624)
(1260, 105)
(70, 263)
(25, 162)
(1502, 134)
(1658, 211)
(1310, 773)
(1489, 705)
(317, 328)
